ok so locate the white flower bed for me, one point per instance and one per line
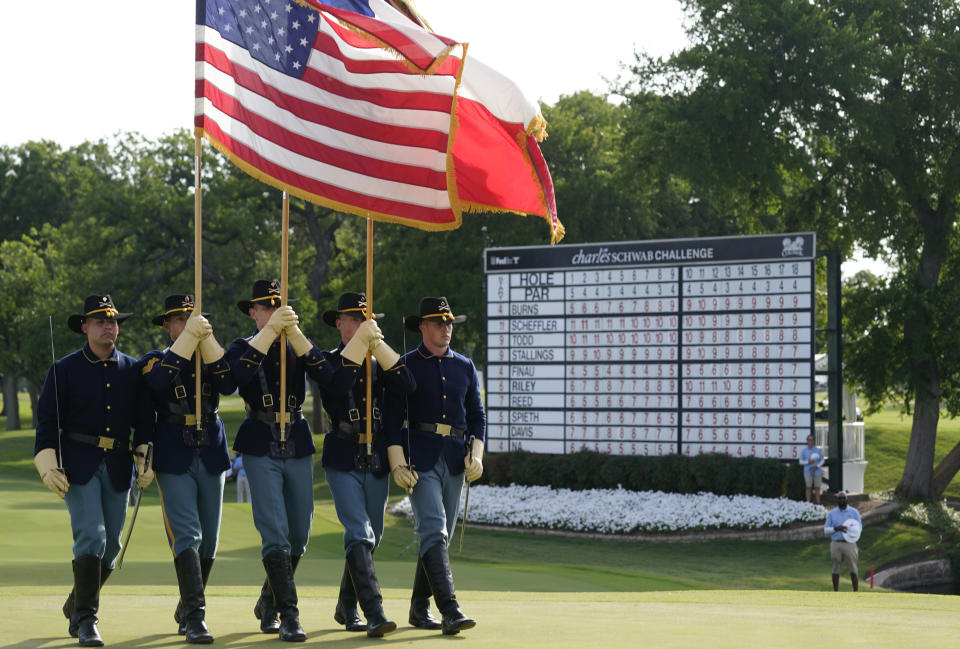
(917, 512)
(618, 511)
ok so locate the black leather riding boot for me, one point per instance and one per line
(206, 565)
(68, 605)
(360, 565)
(346, 611)
(190, 578)
(264, 609)
(420, 615)
(279, 569)
(86, 596)
(437, 564)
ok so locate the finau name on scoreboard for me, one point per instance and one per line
(606, 256)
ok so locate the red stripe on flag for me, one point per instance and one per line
(380, 97)
(328, 45)
(329, 117)
(385, 32)
(301, 185)
(317, 150)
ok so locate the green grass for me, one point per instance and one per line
(525, 590)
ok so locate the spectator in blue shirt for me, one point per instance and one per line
(811, 459)
(243, 485)
(843, 547)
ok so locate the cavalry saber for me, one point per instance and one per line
(56, 396)
(466, 501)
(133, 519)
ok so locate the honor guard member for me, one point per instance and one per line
(90, 401)
(190, 462)
(444, 440)
(279, 468)
(358, 480)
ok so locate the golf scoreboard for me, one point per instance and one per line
(652, 347)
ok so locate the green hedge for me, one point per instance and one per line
(716, 473)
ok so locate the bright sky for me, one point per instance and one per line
(78, 71)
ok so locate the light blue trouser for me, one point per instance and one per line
(282, 501)
(192, 503)
(360, 499)
(97, 513)
(436, 504)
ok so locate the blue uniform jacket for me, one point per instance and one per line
(171, 454)
(445, 389)
(101, 398)
(254, 436)
(339, 378)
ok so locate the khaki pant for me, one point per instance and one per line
(841, 551)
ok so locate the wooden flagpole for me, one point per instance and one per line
(369, 384)
(198, 270)
(284, 294)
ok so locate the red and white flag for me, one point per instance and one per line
(354, 105)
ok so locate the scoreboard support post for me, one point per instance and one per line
(834, 371)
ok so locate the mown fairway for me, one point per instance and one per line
(525, 590)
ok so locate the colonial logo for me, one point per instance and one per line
(792, 247)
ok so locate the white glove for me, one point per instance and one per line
(363, 337)
(384, 354)
(279, 320)
(196, 329)
(210, 350)
(144, 474)
(473, 465)
(405, 477)
(51, 474)
(301, 345)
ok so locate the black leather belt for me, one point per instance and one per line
(100, 441)
(272, 416)
(185, 420)
(444, 430)
(345, 430)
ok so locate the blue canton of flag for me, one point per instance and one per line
(277, 33)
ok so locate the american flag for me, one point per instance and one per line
(353, 105)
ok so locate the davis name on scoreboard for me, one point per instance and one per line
(652, 347)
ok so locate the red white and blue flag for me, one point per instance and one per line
(354, 105)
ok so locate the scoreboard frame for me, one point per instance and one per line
(652, 347)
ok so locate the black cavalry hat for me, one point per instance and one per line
(432, 308)
(265, 292)
(96, 306)
(354, 304)
(177, 304)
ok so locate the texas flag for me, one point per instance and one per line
(358, 106)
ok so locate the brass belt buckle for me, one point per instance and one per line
(267, 401)
(443, 430)
(180, 392)
(190, 420)
(354, 414)
(106, 443)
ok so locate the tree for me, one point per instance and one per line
(840, 116)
